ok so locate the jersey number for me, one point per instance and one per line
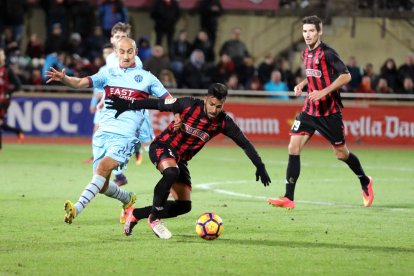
(296, 125)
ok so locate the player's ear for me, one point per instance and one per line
(136, 51)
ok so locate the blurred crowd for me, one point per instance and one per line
(77, 30)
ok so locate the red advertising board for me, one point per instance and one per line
(377, 124)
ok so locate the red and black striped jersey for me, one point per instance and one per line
(197, 128)
(322, 67)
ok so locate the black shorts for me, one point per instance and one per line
(331, 127)
(159, 151)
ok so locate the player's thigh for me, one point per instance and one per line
(181, 191)
(301, 131)
(332, 129)
(117, 147)
(297, 142)
(162, 156)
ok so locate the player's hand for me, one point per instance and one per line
(177, 121)
(316, 95)
(298, 90)
(263, 175)
(55, 75)
(120, 105)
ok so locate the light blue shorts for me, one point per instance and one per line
(146, 132)
(116, 146)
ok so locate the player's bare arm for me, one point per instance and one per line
(298, 88)
(339, 82)
(55, 75)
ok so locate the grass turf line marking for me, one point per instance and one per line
(208, 186)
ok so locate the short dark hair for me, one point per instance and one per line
(313, 19)
(217, 90)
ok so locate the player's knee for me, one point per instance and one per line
(294, 149)
(184, 206)
(341, 155)
(171, 174)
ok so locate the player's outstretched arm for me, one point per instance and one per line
(55, 75)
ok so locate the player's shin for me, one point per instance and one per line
(292, 175)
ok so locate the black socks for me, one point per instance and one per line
(292, 175)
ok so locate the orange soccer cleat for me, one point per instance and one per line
(282, 202)
(368, 198)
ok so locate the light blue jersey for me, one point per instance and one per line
(130, 84)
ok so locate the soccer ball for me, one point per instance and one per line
(209, 226)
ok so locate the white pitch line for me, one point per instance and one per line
(208, 186)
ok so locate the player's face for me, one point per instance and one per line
(311, 35)
(117, 36)
(213, 106)
(106, 52)
(126, 53)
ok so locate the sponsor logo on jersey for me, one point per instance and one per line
(196, 132)
(313, 73)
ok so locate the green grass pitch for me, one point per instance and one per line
(328, 233)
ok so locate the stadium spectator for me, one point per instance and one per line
(56, 60)
(265, 68)
(406, 70)
(232, 82)
(356, 75)
(382, 87)
(202, 42)
(195, 72)
(321, 111)
(276, 85)
(287, 75)
(94, 43)
(171, 151)
(167, 79)
(9, 83)
(235, 48)
(246, 71)
(254, 84)
(158, 61)
(12, 13)
(223, 69)
(408, 86)
(369, 72)
(144, 48)
(55, 41)
(111, 12)
(75, 45)
(165, 14)
(179, 54)
(34, 47)
(116, 139)
(389, 73)
(210, 12)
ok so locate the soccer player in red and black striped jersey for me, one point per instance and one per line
(325, 75)
(201, 120)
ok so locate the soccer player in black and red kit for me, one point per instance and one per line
(201, 120)
(325, 74)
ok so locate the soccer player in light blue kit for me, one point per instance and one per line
(146, 132)
(115, 140)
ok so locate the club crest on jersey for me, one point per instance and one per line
(138, 78)
(316, 61)
(313, 73)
